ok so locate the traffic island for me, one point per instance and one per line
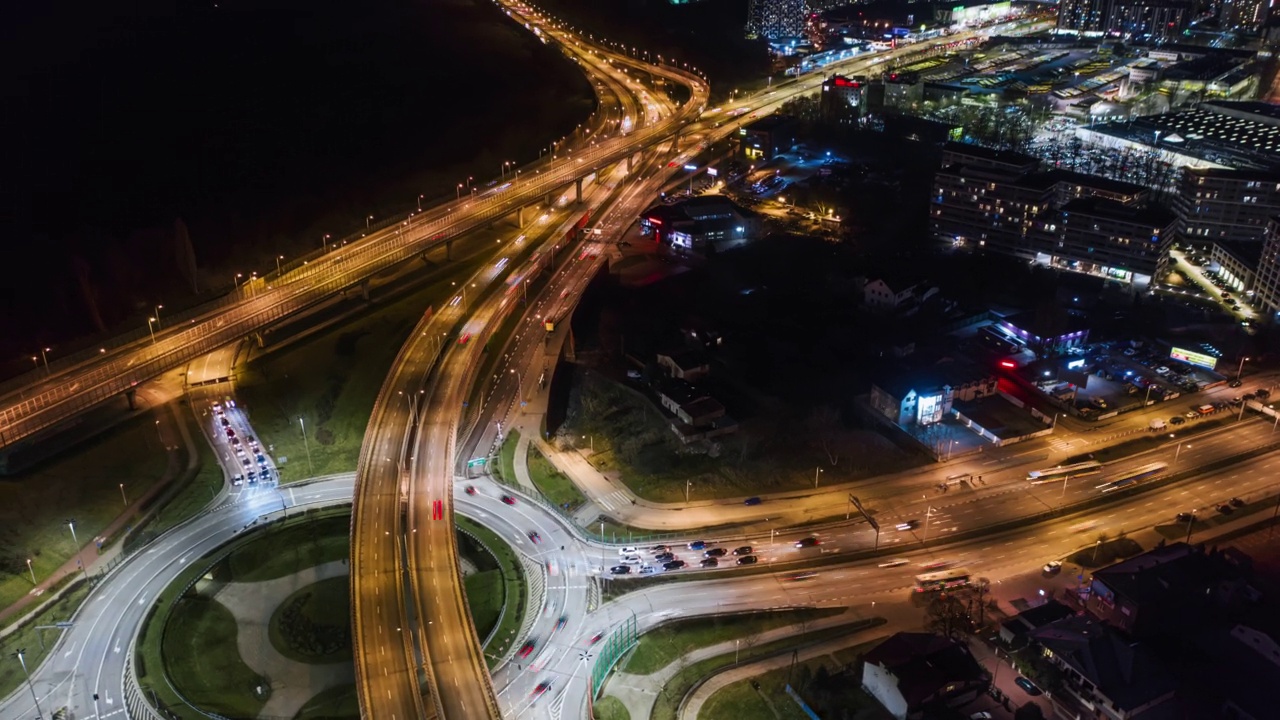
(313, 625)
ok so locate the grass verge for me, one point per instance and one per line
(82, 483)
(313, 624)
(667, 702)
(610, 708)
(331, 379)
(211, 675)
(513, 591)
(554, 485)
(190, 500)
(36, 643)
(825, 684)
(506, 470)
(485, 599)
(336, 703)
(281, 551)
(664, 645)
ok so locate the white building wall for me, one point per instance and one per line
(883, 686)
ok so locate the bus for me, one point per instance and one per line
(1132, 477)
(942, 580)
(1062, 472)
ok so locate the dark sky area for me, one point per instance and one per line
(259, 124)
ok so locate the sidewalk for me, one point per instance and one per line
(177, 438)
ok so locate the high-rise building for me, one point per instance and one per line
(1215, 204)
(1155, 20)
(1267, 284)
(1247, 15)
(777, 19)
(1082, 15)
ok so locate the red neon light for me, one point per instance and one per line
(845, 82)
(1007, 363)
(655, 221)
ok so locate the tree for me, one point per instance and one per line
(947, 615)
(823, 425)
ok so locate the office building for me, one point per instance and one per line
(1267, 283)
(1243, 15)
(777, 19)
(1104, 238)
(1153, 20)
(1216, 204)
(843, 99)
(1084, 16)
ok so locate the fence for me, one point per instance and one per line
(619, 642)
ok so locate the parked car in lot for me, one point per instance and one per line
(1053, 567)
(1179, 420)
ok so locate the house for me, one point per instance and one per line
(685, 364)
(1169, 587)
(1106, 673)
(697, 415)
(909, 673)
(924, 395)
(1241, 666)
(890, 294)
(1014, 632)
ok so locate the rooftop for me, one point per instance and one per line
(1118, 187)
(924, 378)
(999, 417)
(1124, 671)
(1235, 134)
(924, 663)
(1154, 217)
(1005, 157)
(1174, 569)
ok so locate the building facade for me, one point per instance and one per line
(1216, 204)
(843, 99)
(1267, 285)
(777, 19)
(1106, 239)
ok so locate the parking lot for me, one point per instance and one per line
(1206, 282)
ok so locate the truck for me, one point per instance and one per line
(1157, 424)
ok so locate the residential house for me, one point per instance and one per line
(912, 673)
(685, 364)
(1107, 674)
(1169, 587)
(924, 395)
(890, 294)
(1013, 632)
(697, 415)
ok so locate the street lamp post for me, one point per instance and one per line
(1178, 452)
(236, 279)
(124, 497)
(45, 357)
(816, 472)
(278, 259)
(1190, 522)
(324, 243)
(32, 571)
(71, 523)
(23, 662)
(1240, 370)
(157, 314)
(151, 328)
(459, 191)
(419, 203)
(306, 444)
(924, 537)
(687, 485)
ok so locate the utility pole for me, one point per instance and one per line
(21, 653)
(306, 444)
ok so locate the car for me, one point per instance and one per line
(217, 408)
(1237, 400)
(595, 638)
(564, 619)
(665, 557)
(980, 715)
(628, 550)
(245, 462)
(527, 648)
(262, 459)
(1191, 415)
(237, 480)
(542, 687)
(1262, 393)
(673, 565)
(808, 542)
(710, 563)
(1026, 685)
(798, 577)
(1226, 509)
(265, 474)
(632, 560)
(235, 441)
(231, 432)
(1179, 420)
(1162, 370)
(715, 552)
(908, 525)
(1184, 517)
(1053, 567)
(471, 490)
(648, 569)
(225, 422)
(656, 549)
(752, 501)
(620, 569)
(535, 537)
(463, 340)
(1236, 502)
(698, 545)
(895, 562)
(508, 500)
(748, 560)
(744, 550)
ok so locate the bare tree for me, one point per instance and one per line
(823, 425)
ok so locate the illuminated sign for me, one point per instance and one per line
(713, 172)
(1194, 358)
(690, 167)
(1075, 364)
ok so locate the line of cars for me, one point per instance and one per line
(253, 463)
(664, 558)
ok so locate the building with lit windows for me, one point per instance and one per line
(763, 139)
(1217, 204)
(701, 222)
(777, 19)
(843, 99)
(1103, 238)
(1267, 284)
(1084, 16)
(1155, 20)
(1243, 15)
(924, 395)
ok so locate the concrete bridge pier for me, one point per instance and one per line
(520, 217)
(131, 395)
(630, 162)
(578, 188)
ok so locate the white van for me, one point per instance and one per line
(1157, 424)
(628, 551)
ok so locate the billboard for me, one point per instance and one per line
(1194, 358)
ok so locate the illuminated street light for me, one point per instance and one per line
(278, 259)
(23, 662)
(367, 220)
(157, 314)
(151, 328)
